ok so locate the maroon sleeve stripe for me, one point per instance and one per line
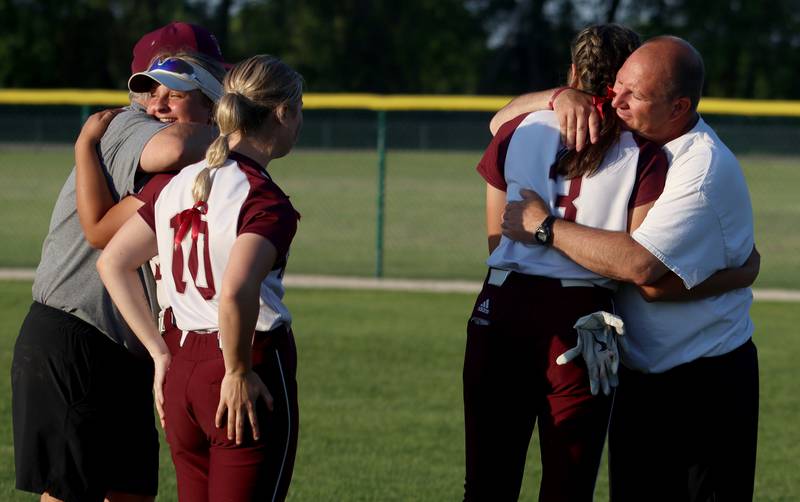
(492, 164)
(154, 185)
(149, 194)
(651, 173)
(267, 212)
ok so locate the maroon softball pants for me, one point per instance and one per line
(209, 466)
(511, 381)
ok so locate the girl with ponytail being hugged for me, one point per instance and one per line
(524, 316)
(225, 366)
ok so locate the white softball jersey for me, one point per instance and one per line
(148, 192)
(524, 154)
(243, 199)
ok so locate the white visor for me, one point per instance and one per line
(178, 75)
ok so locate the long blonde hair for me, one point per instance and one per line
(254, 89)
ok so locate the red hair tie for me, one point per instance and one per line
(190, 218)
(600, 101)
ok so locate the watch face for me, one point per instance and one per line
(544, 234)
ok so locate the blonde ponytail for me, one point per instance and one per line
(216, 155)
(254, 89)
(228, 117)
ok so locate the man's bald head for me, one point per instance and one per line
(658, 89)
(681, 66)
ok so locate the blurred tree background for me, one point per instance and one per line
(401, 46)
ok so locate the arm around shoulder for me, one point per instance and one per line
(93, 197)
(176, 146)
(530, 102)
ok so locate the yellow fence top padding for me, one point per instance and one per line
(63, 97)
(721, 106)
(387, 102)
(401, 102)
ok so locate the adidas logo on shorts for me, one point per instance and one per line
(484, 307)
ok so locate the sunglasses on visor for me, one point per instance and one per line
(173, 65)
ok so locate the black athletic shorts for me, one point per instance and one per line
(82, 411)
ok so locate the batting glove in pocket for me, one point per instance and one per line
(599, 339)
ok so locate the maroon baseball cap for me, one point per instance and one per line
(175, 37)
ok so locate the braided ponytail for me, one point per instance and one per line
(227, 117)
(598, 52)
(217, 153)
(253, 89)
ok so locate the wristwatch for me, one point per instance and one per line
(544, 234)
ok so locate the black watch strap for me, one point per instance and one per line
(544, 234)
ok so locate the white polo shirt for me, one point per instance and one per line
(702, 223)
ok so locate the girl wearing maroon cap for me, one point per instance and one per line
(175, 37)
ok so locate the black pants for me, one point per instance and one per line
(511, 382)
(688, 434)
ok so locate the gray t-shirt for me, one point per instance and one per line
(66, 278)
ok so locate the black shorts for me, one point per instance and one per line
(82, 411)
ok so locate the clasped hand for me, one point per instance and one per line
(96, 125)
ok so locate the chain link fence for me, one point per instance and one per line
(429, 223)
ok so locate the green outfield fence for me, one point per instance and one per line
(433, 143)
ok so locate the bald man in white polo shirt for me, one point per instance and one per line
(685, 419)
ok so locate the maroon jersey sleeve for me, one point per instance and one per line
(651, 173)
(149, 194)
(492, 164)
(268, 212)
(155, 182)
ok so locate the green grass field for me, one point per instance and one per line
(434, 211)
(380, 384)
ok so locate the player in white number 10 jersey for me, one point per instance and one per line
(244, 200)
(222, 230)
